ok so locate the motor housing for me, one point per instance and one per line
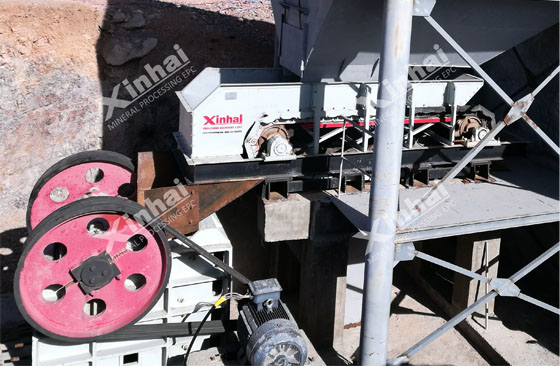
(267, 331)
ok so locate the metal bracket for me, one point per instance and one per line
(318, 98)
(404, 252)
(423, 8)
(519, 109)
(504, 287)
(363, 96)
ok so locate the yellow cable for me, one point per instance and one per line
(220, 301)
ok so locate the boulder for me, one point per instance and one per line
(118, 51)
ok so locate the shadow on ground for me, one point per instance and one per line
(11, 246)
(525, 244)
(408, 288)
(16, 334)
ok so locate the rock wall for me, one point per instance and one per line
(50, 100)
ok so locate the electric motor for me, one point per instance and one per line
(267, 331)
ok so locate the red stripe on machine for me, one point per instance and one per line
(406, 121)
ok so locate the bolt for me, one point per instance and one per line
(92, 268)
(104, 273)
(180, 300)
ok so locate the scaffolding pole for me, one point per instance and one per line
(386, 163)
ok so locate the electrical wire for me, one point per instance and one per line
(228, 296)
(197, 307)
(214, 306)
(237, 296)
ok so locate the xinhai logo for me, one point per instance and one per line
(226, 120)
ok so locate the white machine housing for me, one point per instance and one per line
(220, 106)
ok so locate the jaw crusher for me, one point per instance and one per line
(96, 261)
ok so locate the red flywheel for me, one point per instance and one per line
(82, 175)
(90, 268)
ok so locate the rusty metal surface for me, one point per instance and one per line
(157, 169)
(145, 171)
(212, 197)
(519, 109)
(465, 124)
(181, 206)
(182, 213)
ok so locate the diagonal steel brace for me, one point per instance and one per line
(404, 357)
(518, 110)
(497, 88)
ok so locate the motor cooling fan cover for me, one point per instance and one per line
(278, 343)
(270, 335)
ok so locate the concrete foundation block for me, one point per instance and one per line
(285, 219)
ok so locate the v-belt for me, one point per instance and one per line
(201, 251)
(186, 329)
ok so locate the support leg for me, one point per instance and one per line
(323, 292)
(391, 102)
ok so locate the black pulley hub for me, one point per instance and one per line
(95, 272)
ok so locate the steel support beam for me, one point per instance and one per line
(451, 266)
(404, 358)
(386, 161)
(545, 81)
(341, 157)
(539, 303)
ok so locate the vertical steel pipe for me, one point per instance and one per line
(386, 164)
(486, 285)
(342, 157)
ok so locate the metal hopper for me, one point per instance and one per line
(338, 40)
